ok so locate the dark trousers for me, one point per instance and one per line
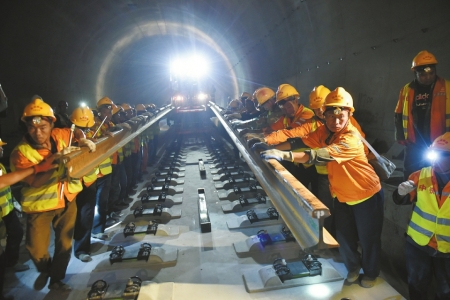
(123, 182)
(324, 195)
(415, 159)
(361, 222)
(136, 160)
(2, 270)
(86, 200)
(153, 148)
(14, 231)
(115, 188)
(421, 267)
(38, 234)
(101, 204)
(129, 172)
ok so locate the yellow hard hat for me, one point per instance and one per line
(116, 109)
(423, 58)
(285, 91)
(104, 101)
(2, 143)
(339, 98)
(441, 143)
(317, 96)
(37, 107)
(245, 94)
(140, 107)
(126, 106)
(263, 95)
(82, 117)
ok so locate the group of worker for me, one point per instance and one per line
(323, 146)
(78, 209)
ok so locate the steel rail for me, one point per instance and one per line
(80, 163)
(302, 212)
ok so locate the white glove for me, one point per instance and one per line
(125, 126)
(234, 116)
(406, 187)
(69, 149)
(90, 144)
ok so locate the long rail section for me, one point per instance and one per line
(80, 163)
(302, 212)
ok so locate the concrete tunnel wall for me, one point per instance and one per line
(57, 49)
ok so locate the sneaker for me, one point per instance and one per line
(99, 236)
(111, 222)
(367, 282)
(41, 281)
(353, 276)
(116, 215)
(84, 257)
(60, 286)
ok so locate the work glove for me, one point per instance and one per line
(69, 149)
(277, 154)
(125, 126)
(255, 135)
(261, 147)
(254, 141)
(244, 131)
(90, 144)
(233, 116)
(406, 187)
(47, 164)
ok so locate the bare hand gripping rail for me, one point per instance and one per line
(302, 212)
(80, 163)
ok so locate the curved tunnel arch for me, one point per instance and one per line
(151, 29)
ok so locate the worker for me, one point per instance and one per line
(12, 224)
(153, 137)
(48, 198)
(422, 112)
(270, 113)
(83, 119)
(101, 218)
(358, 196)
(119, 200)
(128, 150)
(244, 96)
(250, 111)
(234, 107)
(62, 118)
(427, 248)
(7, 180)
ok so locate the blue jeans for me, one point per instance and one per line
(361, 222)
(422, 263)
(101, 204)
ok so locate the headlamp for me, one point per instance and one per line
(36, 120)
(337, 111)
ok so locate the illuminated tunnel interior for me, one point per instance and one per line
(80, 51)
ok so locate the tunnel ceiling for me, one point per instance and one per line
(82, 50)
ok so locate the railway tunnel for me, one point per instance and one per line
(81, 51)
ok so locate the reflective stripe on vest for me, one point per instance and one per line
(105, 167)
(6, 202)
(427, 219)
(91, 176)
(405, 111)
(45, 197)
(42, 198)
